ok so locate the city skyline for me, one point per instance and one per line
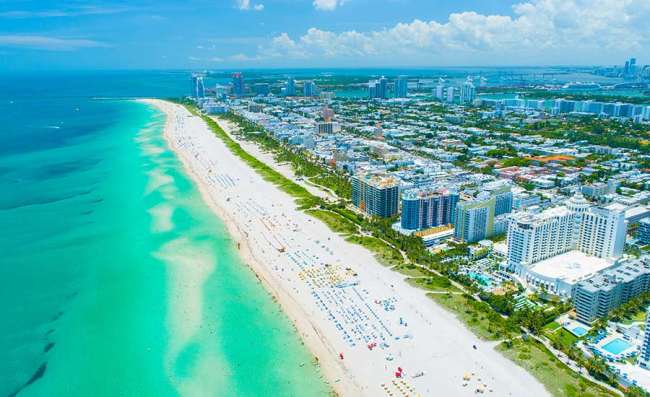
(262, 34)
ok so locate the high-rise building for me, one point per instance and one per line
(474, 220)
(576, 226)
(383, 88)
(372, 89)
(604, 292)
(401, 87)
(564, 106)
(450, 94)
(427, 208)
(644, 351)
(643, 231)
(535, 237)
(503, 197)
(467, 91)
(309, 89)
(440, 89)
(376, 194)
(602, 232)
(198, 89)
(378, 89)
(325, 128)
(238, 84)
(290, 87)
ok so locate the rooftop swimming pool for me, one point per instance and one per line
(616, 346)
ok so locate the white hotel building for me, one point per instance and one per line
(559, 247)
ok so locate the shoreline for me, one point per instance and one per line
(444, 345)
(309, 335)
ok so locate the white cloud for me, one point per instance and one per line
(327, 5)
(47, 43)
(244, 58)
(553, 31)
(246, 5)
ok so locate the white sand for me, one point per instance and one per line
(410, 330)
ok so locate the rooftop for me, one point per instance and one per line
(413, 194)
(625, 272)
(379, 180)
(571, 267)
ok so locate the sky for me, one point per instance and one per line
(249, 34)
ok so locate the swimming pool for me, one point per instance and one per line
(481, 278)
(616, 346)
(579, 331)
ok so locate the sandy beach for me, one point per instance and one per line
(359, 318)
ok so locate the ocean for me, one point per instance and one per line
(103, 238)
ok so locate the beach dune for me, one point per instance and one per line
(361, 320)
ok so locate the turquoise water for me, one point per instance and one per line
(481, 278)
(579, 331)
(617, 346)
(115, 277)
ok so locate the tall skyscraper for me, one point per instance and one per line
(503, 197)
(378, 88)
(598, 232)
(424, 208)
(533, 238)
(198, 89)
(309, 89)
(644, 351)
(238, 84)
(290, 87)
(401, 87)
(474, 220)
(372, 89)
(375, 194)
(467, 91)
(450, 94)
(602, 232)
(383, 88)
(440, 89)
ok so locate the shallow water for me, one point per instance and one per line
(117, 279)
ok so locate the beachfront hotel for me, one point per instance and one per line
(559, 247)
(427, 208)
(474, 219)
(376, 194)
(597, 296)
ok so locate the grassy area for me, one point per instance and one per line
(563, 338)
(433, 283)
(477, 316)
(555, 376)
(384, 253)
(412, 270)
(334, 221)
(551, 326)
